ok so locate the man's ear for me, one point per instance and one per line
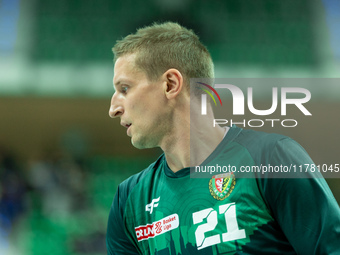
(173, 83)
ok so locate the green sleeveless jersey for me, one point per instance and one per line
(160, 212)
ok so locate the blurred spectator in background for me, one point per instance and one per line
(58, 180)
(12, 195)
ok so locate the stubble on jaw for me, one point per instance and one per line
(156, 135)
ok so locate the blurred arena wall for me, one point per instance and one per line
(62, 157)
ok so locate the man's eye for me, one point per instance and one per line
(124, 89)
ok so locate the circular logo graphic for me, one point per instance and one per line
(221, 186)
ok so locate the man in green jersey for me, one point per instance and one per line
(162, 210)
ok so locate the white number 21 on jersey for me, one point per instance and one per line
(232, 233)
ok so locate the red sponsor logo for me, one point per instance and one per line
(157, 228)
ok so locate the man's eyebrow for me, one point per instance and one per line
(120, 82)
(115, 85)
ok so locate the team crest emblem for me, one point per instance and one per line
(222, 185)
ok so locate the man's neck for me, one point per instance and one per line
(189, 145)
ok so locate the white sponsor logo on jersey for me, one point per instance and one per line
(154, 203)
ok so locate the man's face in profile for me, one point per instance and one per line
(140, 103)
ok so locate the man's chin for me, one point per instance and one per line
(141, 144)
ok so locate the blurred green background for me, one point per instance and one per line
(61, 157)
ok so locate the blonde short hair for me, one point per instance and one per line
(160, 47)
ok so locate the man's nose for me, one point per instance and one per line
(116, 108)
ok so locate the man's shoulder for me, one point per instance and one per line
(260, 138)
(255, 140)
(261, 145)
